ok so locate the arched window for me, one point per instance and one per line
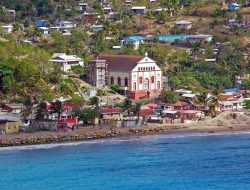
(152, 79)
(140, 80)
(158, 85)
(112, 80)
(146, 84)
(139, 68)
(134, 86)
(126, 81)
(119, 80)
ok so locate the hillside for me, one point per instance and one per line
(183, 64)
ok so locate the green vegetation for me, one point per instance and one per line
(169, 96)
(247, 104)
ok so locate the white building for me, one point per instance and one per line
(139, 10)
(7, 29)
(199, 38)
(183, 24)
(66, 61)
(65, 25)
(138, 76)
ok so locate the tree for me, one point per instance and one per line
(57, 108)
(94, 101)
(28, 107)
(17, 29)
(41, 111)
(202, 99)
(85, 115)
(115, 87)
(127, 105)
(78, 69)
(162, 17)
(246, 104)
(169, 96)
(136, 109)
(213, 103)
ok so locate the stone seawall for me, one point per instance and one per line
(36, 138)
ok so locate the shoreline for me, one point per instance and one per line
(79, 135)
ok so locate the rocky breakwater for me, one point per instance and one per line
(36, 138)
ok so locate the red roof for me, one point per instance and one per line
(71, 106)
(147, 112)
(152, 105)
(6, 108)
(109, 110)
(71, 120)
(90, 18)
(120, 62)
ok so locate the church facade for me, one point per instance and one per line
(138, 76)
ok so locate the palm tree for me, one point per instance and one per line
(28, 108)
(57, 108)
(136, 109)
(94, 101)
(42, 111)
(127, 105)
(17, 29)
(202, 99)
(213, 103)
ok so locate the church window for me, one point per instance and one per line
(112, 80)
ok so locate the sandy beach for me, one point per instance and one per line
(225, 122)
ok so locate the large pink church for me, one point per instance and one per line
(138, 76)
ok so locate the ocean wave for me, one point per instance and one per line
(123, 139)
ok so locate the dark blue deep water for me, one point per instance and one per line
(181, 162)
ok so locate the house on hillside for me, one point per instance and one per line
(233, 7)
(65, 62)
(135, 40)
(128, 2)
(183, 24)
(106, 8)
(96, 28)
(170, 38)
(137, 76)
(44, 30)
(199, 38)
(82, 6)
(41, 23)
(65, 25)
(139, 10)
(7, 29)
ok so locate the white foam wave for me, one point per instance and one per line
(121, 140)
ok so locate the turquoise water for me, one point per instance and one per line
(169, 38)
(182, 161)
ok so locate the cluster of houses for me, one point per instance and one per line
(185, 111)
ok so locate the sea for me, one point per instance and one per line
(184, 161)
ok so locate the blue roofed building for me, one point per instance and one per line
(96, 28)
(231, 90)
(169, 38)
(135, 40)
(41, 23)
(233, 7)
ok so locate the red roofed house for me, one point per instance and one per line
(138, 76)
